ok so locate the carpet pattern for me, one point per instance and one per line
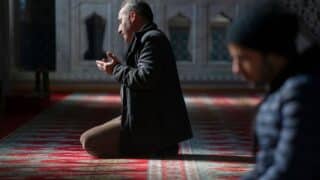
(48, 147)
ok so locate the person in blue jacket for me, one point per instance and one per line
(262, 44)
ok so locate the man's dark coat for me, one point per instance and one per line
(154, 114)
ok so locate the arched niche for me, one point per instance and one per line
(95, 28)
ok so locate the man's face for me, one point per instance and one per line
(125, 25)
(248, 63)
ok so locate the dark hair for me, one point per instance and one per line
(140, 7)
(265, 26)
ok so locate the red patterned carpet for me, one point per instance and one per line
(22, 108)
(47, 147)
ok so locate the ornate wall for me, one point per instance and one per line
(309, 14)
(195, 28)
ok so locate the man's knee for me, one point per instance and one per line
(98, 147)
(103, 139)
(82, 138)
(90, 145)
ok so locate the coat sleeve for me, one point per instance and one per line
(297, 100)
(146, 73)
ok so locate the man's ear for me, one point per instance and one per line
(132, 16)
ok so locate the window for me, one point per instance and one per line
(217, 39)
(179, 31)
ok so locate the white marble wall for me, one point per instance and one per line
(72, 42)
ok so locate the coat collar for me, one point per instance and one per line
(288, 71)
(145, 28)
(137, 37)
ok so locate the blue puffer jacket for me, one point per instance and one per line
(288, 128)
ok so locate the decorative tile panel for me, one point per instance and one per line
(309, 12)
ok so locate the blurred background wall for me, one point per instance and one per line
(56, 42)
